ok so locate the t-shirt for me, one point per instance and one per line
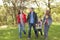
(21, 19)
(31, 18)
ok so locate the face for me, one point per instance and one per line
(31, 10)
(21, 11)
(47, 11)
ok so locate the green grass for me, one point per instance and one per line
(11, 33)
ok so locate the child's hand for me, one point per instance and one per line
(36, 24)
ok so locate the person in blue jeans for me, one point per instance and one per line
(47, 20)
(32, 20)
(21, 20)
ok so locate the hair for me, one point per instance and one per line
(47, 12)
(19, 12)
(41, 19)
(32, 8)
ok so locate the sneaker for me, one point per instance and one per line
(20, 36)
(45, 38)
(36, 37)
(28, 38)
(24, 32)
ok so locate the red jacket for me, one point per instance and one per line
(23, 17)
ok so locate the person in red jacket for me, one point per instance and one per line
(21, 20)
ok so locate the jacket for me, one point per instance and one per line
(49, 20)
(23, 17)
(34, 16)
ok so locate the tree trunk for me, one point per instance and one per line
(49, 6)
(15, 14)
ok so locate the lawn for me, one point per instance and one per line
(11, 33)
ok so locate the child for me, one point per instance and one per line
(39, 28)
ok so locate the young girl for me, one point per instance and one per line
(39, 28)
(21, 20)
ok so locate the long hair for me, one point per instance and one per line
(48, 12)
(19, 12)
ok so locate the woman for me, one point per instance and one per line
(47, 20)
(21, 19)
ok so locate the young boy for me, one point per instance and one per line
(39, 28)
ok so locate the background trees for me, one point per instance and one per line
(9, 9)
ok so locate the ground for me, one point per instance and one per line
(11, 33)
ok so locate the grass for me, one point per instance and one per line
(11, 33)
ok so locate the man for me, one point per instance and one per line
(32, 20)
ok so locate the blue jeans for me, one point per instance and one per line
(35, 30)
(21, 29)
(46, 29)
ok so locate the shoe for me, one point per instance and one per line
(24, 32)
(28, 38)
(20, 36)
(45, 38)
(36, 37)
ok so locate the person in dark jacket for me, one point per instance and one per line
(32, 20)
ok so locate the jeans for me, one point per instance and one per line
(46, 29)
(21, 29)
(29, 32)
